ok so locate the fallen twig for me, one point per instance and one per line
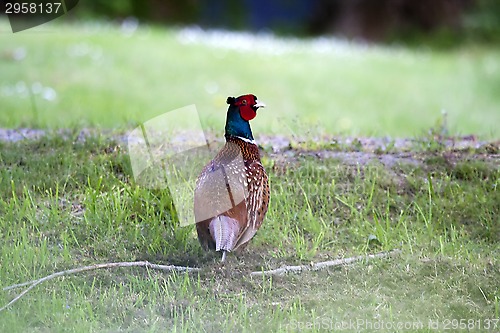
(321, 265)
(147, 264)
(279, 271)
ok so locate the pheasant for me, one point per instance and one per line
(232, 192)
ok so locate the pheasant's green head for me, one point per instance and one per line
(241, 110)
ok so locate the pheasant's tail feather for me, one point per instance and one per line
(224, 230)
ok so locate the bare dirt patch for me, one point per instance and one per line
(349, 150)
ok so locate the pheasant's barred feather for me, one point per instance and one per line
(224, 230)
(257, 201)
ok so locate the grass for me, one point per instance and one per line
(66, 203)
(96, 74)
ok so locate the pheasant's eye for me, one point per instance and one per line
(244, 102)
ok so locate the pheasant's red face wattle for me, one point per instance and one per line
(248, 106)
(247, 112)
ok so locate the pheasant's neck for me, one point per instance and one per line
(237, 126)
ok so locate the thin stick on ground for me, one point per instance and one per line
(147, 264)
(324, 264)
(171, 268)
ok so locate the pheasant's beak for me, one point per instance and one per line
(259, 104)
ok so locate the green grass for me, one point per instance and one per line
(65, 203)
(103, 77)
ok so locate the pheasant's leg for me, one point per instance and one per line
(223, 255)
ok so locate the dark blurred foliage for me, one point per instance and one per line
(160, 11)
(388, 19)
(442, 21)
(482, 23)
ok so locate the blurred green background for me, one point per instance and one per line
(323, 67)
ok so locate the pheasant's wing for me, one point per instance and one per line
(220, 186)
(257, 201)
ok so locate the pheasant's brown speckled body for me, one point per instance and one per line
(232, 192)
